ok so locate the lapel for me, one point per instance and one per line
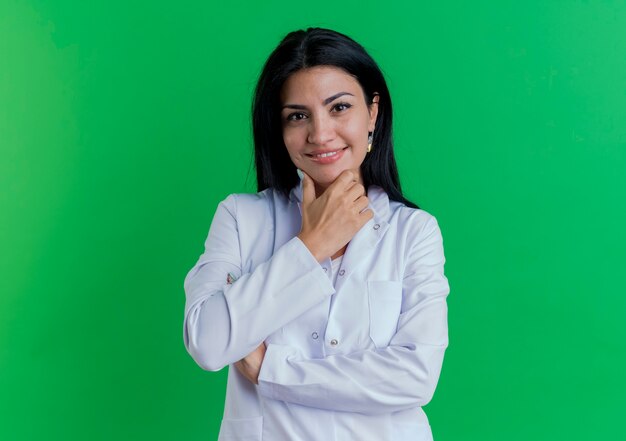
(364, 242)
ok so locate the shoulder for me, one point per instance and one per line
(406, 221)
(250, 204)
(415, 218)
(413, 225)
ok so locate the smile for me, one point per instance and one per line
(327, 157)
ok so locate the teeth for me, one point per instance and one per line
(324, 155)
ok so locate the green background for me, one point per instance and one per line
(123, 124)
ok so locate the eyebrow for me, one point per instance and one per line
(328, 100)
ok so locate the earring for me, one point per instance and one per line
(370, 138)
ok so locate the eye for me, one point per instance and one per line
(341, 107)
(296, 116)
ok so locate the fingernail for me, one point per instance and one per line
(300, 174)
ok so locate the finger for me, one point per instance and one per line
(242, 370)
(308, 189)
(344, 181)
(366, 215)
(361, 203)
(347, 178)
(355, 192)
(239, 366)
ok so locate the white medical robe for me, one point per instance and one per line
(354, 360)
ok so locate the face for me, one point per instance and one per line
(326, 121)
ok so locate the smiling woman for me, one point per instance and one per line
(325, 291)
(328, 130)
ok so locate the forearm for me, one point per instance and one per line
(370, 381)
(225, 322)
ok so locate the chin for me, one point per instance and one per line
(325, 174)
(325, 179)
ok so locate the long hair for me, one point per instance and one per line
(320, 47)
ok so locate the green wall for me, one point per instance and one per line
(123, 124)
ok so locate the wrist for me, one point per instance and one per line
(313, 247)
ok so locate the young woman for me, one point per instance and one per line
(325, 291)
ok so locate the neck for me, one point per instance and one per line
(340, 252)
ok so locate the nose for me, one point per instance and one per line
(321, 130)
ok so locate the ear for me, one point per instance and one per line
(373, 111)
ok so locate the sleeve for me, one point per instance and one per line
(374, 381)
(224, 322)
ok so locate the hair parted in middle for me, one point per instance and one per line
(320, 47)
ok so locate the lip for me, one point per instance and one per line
(327, 159)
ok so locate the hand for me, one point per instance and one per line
(331, 221)
(250, 365)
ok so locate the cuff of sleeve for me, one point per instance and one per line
(304, 253)
(273, 367)
(305, 261)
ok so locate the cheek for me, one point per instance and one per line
(357, 128)
(358, 134)
(293, 142)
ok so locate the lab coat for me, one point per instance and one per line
(354, 360)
